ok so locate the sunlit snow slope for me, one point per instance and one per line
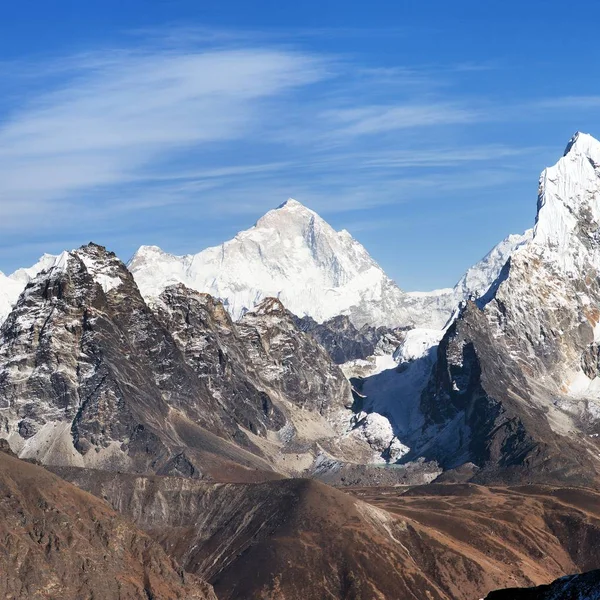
(292, 254)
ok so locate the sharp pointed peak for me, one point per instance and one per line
(583, 143)
(290, 210)
(292, 203)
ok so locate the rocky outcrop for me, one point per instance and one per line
(211, 344)
(89, 376)
(344, 342)
(278, 382)
(515, 389)
(57, 541)
(292, 362)
(585, 586)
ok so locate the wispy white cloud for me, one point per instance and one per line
(369, 120)
(117, 115)
(213, 123)
(444, 157)
(568, 102)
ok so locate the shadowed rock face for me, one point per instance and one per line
(344, 342)
(294, 539)
(248, 364)
(291, 361)
(57, 541)
(572, 587)
(213, 347)
(277, 381)
(516, 389)
(91, 376)
(491, 408)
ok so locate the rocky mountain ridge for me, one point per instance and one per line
(514, 386)
(90, 376)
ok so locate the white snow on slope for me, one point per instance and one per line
(434, 309)
(12, 285)
(564, 251)
(391, 417)
(478, 279)
(9, 293)
(292, 254)
(24, 276)
(569, 199)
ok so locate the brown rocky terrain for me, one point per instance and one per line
(298, 539)
(59, 542)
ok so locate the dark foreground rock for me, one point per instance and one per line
(572, 587)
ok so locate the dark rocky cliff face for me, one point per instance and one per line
(292, 362)
(344, 342)
(91, 376)
(212, 346)
(585, 586)
(492, 403)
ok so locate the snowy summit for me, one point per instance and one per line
(292, 254)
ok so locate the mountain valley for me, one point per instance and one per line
(274, 418)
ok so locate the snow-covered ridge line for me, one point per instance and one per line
(292, 254)
(12, 285)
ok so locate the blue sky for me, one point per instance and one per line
(420, 127)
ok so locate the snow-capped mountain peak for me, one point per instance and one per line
(292, 204)
(291, 253)
(25, 275)
(98, 262)
(583, 143)
(568, 215)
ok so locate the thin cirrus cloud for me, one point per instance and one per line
(111, 119)
(106, 133)
(569, 102)
(114, 119)
(378, 119)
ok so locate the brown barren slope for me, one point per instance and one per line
(300, 539)
(59, 542)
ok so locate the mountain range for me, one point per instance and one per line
(192, 392)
